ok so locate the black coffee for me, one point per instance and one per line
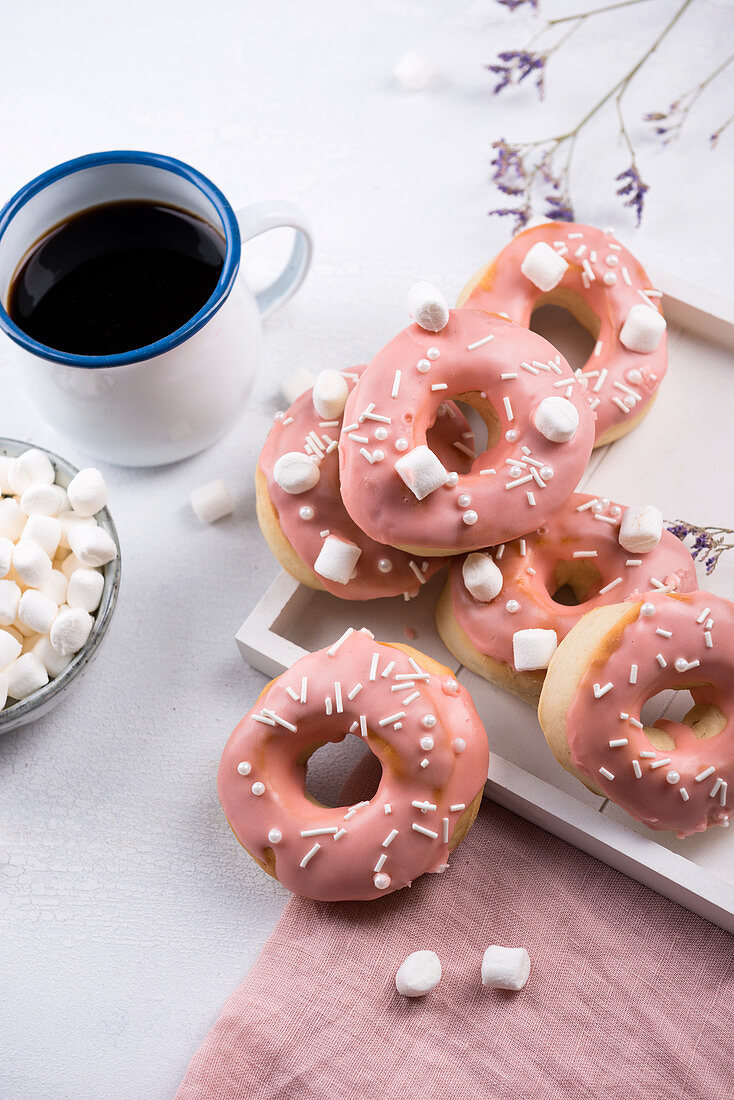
(116, 277)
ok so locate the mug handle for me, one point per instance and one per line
(259, 218)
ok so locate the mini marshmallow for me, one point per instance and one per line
(9, 600)
(31, 468)
(12, 519)
(337, 559)
(295, 384)
(543, 266)
(55, 587)
(421, 471)
(44, 500)
(428, 307)
(557, 419)
(70, 564)
(25, 676)
(68, 520)
(85, 589)
(296, 473)
(31, 563)
(482, 578)
(70, 630)
(92, 545)
(641, 528)
(330, 393)
(6, 556)
(5, 461)
(36, 611)
(53, 662)
(533, 648)
(43, 530)
(505, 967)
(87, 492)
(210, 502)
(419, 974)
(643, 328)
(10, 649)
(414, 72)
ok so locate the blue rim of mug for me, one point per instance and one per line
(197, 322)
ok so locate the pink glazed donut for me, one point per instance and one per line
(491, 596)
(673, 775)
(587, 272)
(420, 724)
(536, 413)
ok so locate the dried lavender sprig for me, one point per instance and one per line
(674, 118)
(713, 140)
(709, 543)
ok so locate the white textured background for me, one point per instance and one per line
(128, 912)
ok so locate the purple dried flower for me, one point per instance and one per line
(509, 169)
(516, 66)
(632, 185)
(513, 5)
(520, 214)
(711, 565)
(559, 208)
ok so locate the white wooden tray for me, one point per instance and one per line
(679, 458)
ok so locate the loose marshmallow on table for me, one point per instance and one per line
(330, 393)
(295, 384)
(543, 266)
(10, 649)
(337, 559)
(421, 471)
(70, 630)
(641, 529)
(296, 473)
(84, 589)
(414, 72)
(36, 611)
(25, 676)
(482, 578)
(557, 419)
(210, 502)
(419, 974)
(533, 648)
(642, 329)
(428, 307)
(505, 967)
(30, 468)
(32, 564)
(87, 492)
(92, 545)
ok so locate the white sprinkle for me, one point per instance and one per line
(341, 833)
(366, 454)
(523, 547)
(354, 692)
(445, 830)
(661, 660)
(706, 611)
(661, 763)
(600, 380)
(586, 553)
(262, 720)
(340, 641)
(587, 505)
(541, 366)
(626, 276)
(281, 721)
(464, 449)
(618, 743)
(722, 796)
(424, 763)
(388, 669)
(593, 404)
(684, 794)
(585, 280)
(637, 769)
(620, 404)
(338, 697)
(381, 862)
(507, 377)
(439, 386)
(358, 438)
(421, 579)
(705, 774)
(373, 666)
(598, 348)
(648, 755)
(508, 408)
(709, 623)
(319, 832)
(409, 698)
(392, 718)
(606, 773)
(426, 832)
(599, 690)
(663, 633)
(633, 561)
(363, 725)
(610, 586)
(580, 250)
(615, 247)
(402, 686)
(529, 368)
(708, 639)
(633, 674)
(518, 481)
(424, 807)
(389, 838)
(716, 787)
(388, 808)
(589, 271)
(479, 343)
(327, 705)
(531, 499)
(396, 384)
(309, 855)
(293, 694)
(571, 236)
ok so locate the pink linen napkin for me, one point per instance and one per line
(630, 997)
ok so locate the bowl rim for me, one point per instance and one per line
(20, 711)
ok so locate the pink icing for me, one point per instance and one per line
(505, 507)
(585, 525)
(381, 570)
(620, 381)
(703, 769)
(348, 861)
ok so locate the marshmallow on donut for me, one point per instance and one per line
(418, 721)
(534, 408)
(299, 503)
(586, 271)
(497, 612)
(672, 775)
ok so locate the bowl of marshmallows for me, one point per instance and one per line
(59, 577)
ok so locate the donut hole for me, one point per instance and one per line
(573, 581)
(566, 321)
(677, 706)
(484, 422)
(329, 766)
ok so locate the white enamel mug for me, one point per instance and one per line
(168, 400)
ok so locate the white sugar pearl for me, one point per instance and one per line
(672, 777)
(512, 606)
(543, 266)
(70, 630)
(381, 433)
(45, 531)
(10, 649)
(681, 664)
(463, 500)
(428, 721)
(482, 578)
(384, 565)
(546, 472)
(643, 329)
(70, 564)
(12, 519)
(6, 556)
(378, 455)
(421, 471)
(505, 967)
(611, 260)
(44, 500)
(337, 559)
(381, 880)
(244, 767)
(92, 545)
(296, 473)
(419, 974)
(9, 600)
(25, 676)
(37, 611)
(30, 468)
(32, 565)
(85, 589)
(427, 743)
(433, 354)
(275, 836)
(533, 648)
(609, 278)
(428, 307)
(258, 789)
(557, 419)
(330, 393)
(452, 480)
(87, 492)
(648, 610)
(470, 517)
(401, 444)
(423, 366)
(414, 72)
(210, 502)
(306, 512)
(296, 383)
(53, 662)
(634, 377)
(641, 528)
(459, 745)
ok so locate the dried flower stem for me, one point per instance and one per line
(709, 543)
(678, 111)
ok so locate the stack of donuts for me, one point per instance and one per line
(584, 607)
